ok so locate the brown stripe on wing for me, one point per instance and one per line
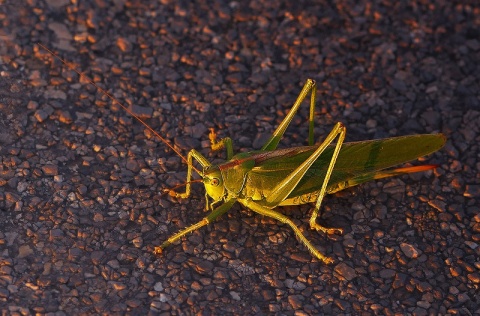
(260, 157)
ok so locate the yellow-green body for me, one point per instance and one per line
(255, 174)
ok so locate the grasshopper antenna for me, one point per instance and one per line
(111, 97)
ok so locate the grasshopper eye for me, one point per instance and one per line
(215, 182)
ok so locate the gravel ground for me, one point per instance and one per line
(81, 181)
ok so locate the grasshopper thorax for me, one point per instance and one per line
(213, 182)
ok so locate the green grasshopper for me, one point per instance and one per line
(267, 178)
(270, 177)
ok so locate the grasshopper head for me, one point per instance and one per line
(213, 182)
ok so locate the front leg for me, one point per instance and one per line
(284, 219)
(222, 143)
(192, 154)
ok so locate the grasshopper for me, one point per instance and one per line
(267, 178)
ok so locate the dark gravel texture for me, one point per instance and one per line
(80, 180)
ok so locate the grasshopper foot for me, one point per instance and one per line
(326, 230)
(323, 258)
(328, 260)
(175, 194)
(158, 251)
(212, 136)
(181, 195)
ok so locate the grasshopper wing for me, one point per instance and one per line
(357, 162)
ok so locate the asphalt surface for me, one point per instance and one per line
(81, 182)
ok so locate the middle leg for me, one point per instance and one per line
(284, 219)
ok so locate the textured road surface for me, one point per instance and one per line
(81, 181)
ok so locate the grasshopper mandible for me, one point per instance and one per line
(267, 178)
